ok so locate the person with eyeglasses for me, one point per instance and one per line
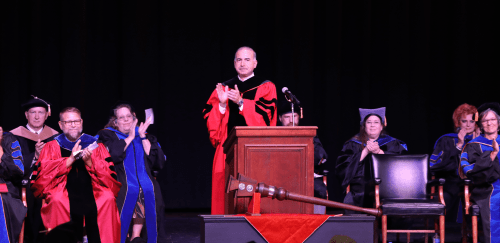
(445, 159)
(78, 182)
(32, 137)
(136, 154)
(480, 163)
(12, 209)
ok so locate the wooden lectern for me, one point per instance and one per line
(280, 156)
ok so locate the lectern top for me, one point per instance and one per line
(265, 131)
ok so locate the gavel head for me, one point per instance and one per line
(246, 187)
(242, 187)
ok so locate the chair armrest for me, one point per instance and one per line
(466, 183)
(377, 196)
(377, 182)
(24, 184)
(435, 182)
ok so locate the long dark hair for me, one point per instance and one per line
(112, 119)
(362, 136)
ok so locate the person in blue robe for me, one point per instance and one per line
(445, 159)
(12, 209)
(353, 166)
(136, 154)
(480, 163)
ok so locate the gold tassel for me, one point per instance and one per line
(49, 110)
(301, 113)
(477, 117)
(385, 121)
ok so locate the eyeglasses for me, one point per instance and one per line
(488, 121)
(127, 117)
(75, 122)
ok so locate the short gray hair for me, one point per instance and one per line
(246, 47)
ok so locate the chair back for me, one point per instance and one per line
(402, 176)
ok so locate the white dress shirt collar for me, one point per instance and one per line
(244, 79)
(33, 130)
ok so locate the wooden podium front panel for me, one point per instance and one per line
(278, 156)
(275, 164)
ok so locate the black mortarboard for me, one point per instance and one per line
(378, 111)
(490, 105)
(36, 102)
(285, 107)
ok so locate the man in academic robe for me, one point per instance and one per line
(32, 137)
(12, 209)
(245, 100)
(287, 118)
(77, 182)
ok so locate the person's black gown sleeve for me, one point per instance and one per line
(445, 157)
(11, 173)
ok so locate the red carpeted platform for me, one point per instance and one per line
(278, 228)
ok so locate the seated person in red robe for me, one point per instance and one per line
(78, 183)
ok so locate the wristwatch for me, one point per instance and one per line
(240, 103)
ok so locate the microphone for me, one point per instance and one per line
(289, 96)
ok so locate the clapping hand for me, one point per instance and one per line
(143, 127)
(495, 149)
(131, 133)
(234, 94)
(461, 135)
(373, 147)
(38, 148)
(87, 157)
(222, 93)
(75, 149)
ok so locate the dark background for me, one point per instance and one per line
(420, 59)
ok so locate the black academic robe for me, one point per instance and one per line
(27, 140)
(114, 141)
(351, 171)
(484, 172)
(320, 168)
(444, 163)
(12, 209)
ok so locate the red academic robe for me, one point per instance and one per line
(50, 184)
(264, 102)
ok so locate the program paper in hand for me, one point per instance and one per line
(78, 154)
(150, 115)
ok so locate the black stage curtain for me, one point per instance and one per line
(420, 59)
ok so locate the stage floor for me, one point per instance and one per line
(184, 227)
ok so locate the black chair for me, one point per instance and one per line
(401, 189)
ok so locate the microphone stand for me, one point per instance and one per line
(293, 114)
